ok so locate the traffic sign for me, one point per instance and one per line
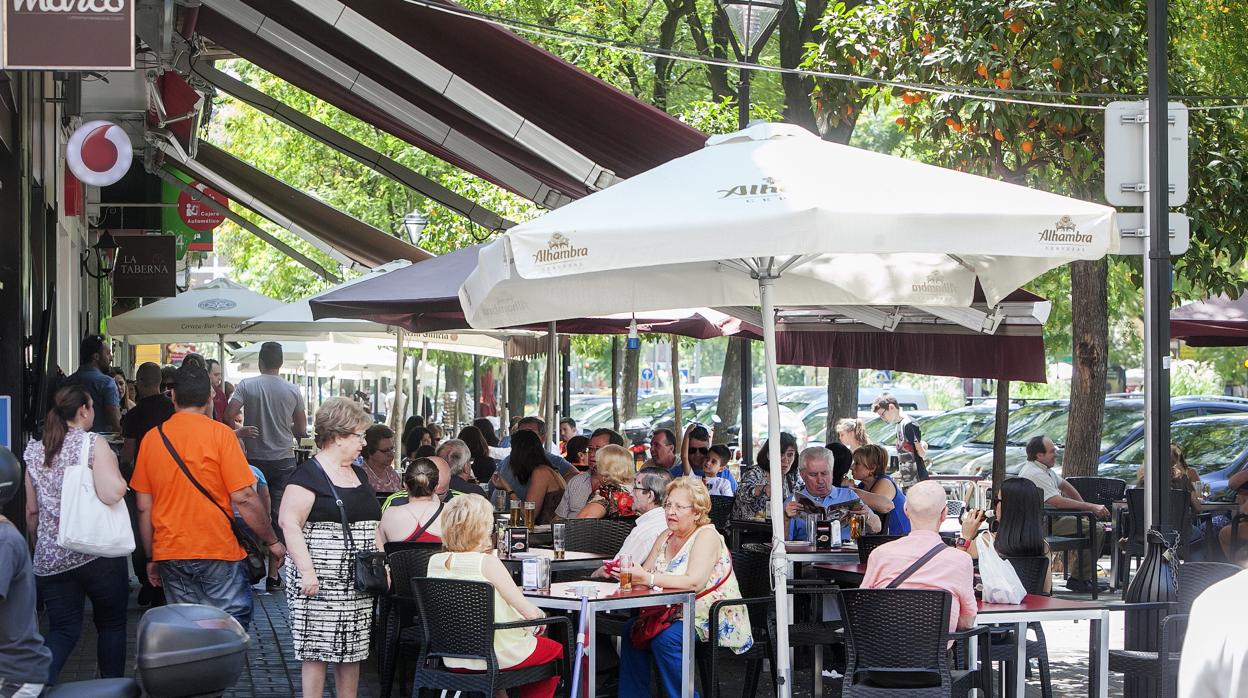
(1131, 230)
(647, 374)
(1125, 176)
(6, 415)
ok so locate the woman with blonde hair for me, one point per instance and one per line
(613, 499)
(852, 434)
(330, 621)
(468, 522)
(690, 556)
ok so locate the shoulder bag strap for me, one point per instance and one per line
(342, 509)
(917, 564)
(428, 523)
(186, 471)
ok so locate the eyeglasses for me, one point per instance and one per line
(701, 449)
(671, 506)
(359, 434)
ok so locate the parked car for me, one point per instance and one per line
(582, 405)
(691, 405)
(1123, 423)
(1216, 446)
(941, 430)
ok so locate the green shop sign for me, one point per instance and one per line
(190, 220)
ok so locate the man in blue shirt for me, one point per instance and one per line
(96, 355)
(538, 426)
(699, 441)
(819, 495)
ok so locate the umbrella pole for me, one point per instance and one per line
(552, 387)
(221, 355)
(396, 405)
(420, 384)
(779, 563)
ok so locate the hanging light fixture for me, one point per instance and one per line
(105, 250)
(414, 225)
(751, 21)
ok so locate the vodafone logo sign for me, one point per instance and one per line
(99, 153)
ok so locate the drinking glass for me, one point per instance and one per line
(515, 513)
(625, 567)
(558, 532)
(530, 510)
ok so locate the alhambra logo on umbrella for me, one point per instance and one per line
(765, 190)
(934, 284)
(1065, 232)
(559, 249)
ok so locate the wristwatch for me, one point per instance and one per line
(962, 543)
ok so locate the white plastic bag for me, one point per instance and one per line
(1000, 581)
(88, 525)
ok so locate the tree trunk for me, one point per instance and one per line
(454, 381)
(632, 369)
(842, 398)
(517, 389)
(1000, 426)
(615, 384)
(1090, 340)
(728, 409)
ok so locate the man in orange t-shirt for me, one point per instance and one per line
(188, 539)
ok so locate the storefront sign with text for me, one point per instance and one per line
(67, 34)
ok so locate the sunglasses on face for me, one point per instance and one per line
(701, 449)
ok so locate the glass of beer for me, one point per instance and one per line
(530, 510)
(515, 513)
(559, 533)
(625, 570)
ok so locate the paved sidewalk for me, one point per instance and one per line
(273, 670)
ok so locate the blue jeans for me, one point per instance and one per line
(276, 473)
(104, 580)
(664, 651)
(218, 583)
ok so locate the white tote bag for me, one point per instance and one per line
(88, 525)
(1001, 582)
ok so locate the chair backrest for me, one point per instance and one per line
(896, 630)
(1032, 571)
(456, 618)
(867, 544)
(721, 511)
(395, 546)
(1193, 578)
(1180, 516)
(955, 507)
(753, 571)
(599, 536)
(1100, 490)
(408, 563)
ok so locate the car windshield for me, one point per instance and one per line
(1050, 421)
(1207, 446)
(596, 418)
(880, 431)
(581, 409)
(816, 424)
(653, 406)
(952, 428)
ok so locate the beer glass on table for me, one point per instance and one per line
(625, 570)
(559, 534)
(530, 510)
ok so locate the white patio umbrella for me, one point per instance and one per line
(774, 215)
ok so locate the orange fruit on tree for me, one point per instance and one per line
(1057, 63)
(1008, 12)
(1028, 146)
(1003, 83)
(998, 135)
(928, 38)
(982, 70)
(873, 53)
(1033, 123)
(902, 121)
(1017, 26)
(1007, 73)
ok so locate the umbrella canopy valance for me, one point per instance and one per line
(1214, 322)
(212, 312)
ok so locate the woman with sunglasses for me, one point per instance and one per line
(379, 459)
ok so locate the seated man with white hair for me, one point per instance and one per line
(457, 455)
(649, 489)
(923, 560)
(819, 495)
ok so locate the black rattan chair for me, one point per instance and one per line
(721, 512)
(1080, 542)
(1032, 572)
(1131, 545)
(896, 645)
(1191, 579)
(1100, 490)
(752, 570)
(457, 621)
(599, 536)
(955, 507)
(866, 544)
(407, 561)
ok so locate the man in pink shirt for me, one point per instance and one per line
(949, 570)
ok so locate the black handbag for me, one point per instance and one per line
(256, 562)
(369, 567)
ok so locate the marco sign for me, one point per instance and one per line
(89, 34)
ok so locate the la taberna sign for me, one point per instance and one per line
(67, 34)
(99, 152)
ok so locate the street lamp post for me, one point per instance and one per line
(752, 22)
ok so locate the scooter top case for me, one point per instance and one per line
(190, 650)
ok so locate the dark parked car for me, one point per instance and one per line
(1124, 422)
(1216, 446)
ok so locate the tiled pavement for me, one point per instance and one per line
(273, 670)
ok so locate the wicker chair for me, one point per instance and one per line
(1100, 490)
(599, 536)
(721, 512)
(866, 544)
(955, 507)
(457, 620)
(407, 561)
(752, 571)
(1032, 572)
(1131, 545)
(1162, 666)
(896, 645)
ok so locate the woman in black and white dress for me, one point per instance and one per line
(329, 620)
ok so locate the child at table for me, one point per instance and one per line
(716, 461)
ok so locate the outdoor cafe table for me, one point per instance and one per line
(848, 573)
(562, 596)
(572, 561)
(1035, 608)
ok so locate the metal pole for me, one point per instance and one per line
(565, 398)
(476, 386)
(779, 562)
(615, 383)
(419, 383)
(552, 387)
(396, 405)
(746, 438)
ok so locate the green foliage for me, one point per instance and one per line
(1194, 378)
